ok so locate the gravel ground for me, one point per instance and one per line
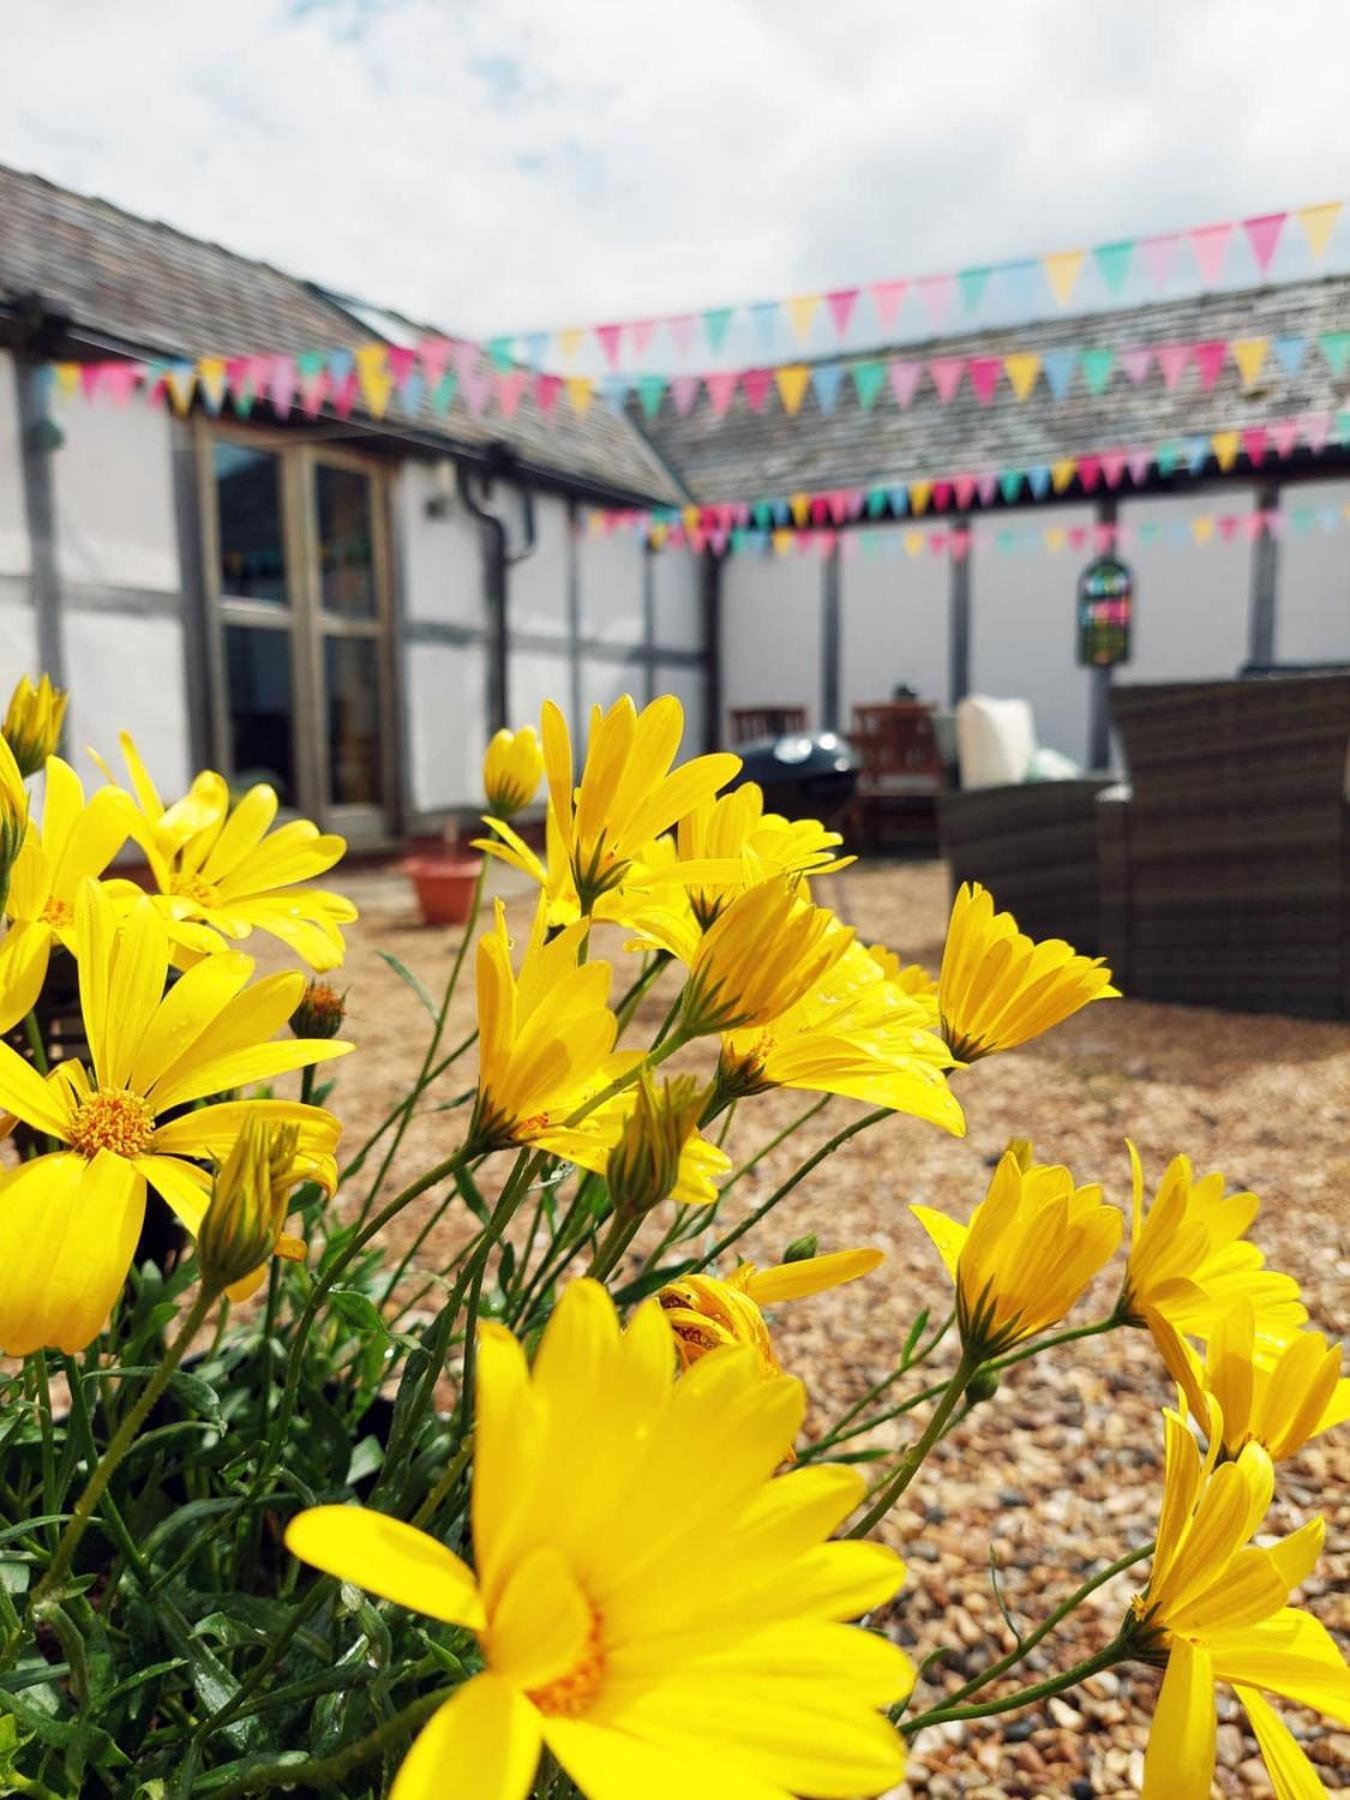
(1061, 1472)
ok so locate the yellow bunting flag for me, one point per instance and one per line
(658, 535)
(1202, 528)
(920, 492)
(570, 340)
(1056, 537)
(1061, 271)
(792, 383)
(1318, 223)
(802, 310)
(1225, 445)
(580, 390)
(67, 377)
(801, 507)
(1063, 473)
(595, 522)
(372, 369)
(691, 516)
(1022, 368)
(782, 542)
(1250, 355)
(180, 383)
(914, 543)
(211, 376)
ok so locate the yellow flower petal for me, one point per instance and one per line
(485, 1739)
(388, 1558)
(1179, 1761)
(1291, 1774)
(811, 1275)
(68, 1230)
(540, 1623)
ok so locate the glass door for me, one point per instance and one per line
(298, 567)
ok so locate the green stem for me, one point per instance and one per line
(1026, 1645)
(912, 1461)
(616, 1240)
(445, 1485)
(354, 1166)
(328, 1771)
(840, 1430)
(33, 1032)
(1114, 1652)
(121, 1442)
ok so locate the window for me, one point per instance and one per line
(252, 557)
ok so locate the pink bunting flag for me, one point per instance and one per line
(942, 495)
(1274, 522)
(681, 329)
(1316, 429)
(1284, 436)
(684, 392)
(312, 391)
(721, 387)
(1228, 526)
(937, 293)
(1139, 462)
(755, 385)
(1078, 537)
(609, 338)
(435, 354)
(838, 502)
(91, 375)
(840, 305)
(1137, 363)
(1209, 244)
(819, 509)
(120, 379)
(1253, 524)
(476, 388)
(886, 299)
(988, 487)
(547, 388)
(964, 489)
(466, 359)
(400, 361)
(281, 389)
(717, 542)
(904, 378)
(937, 543)
(643, 330)
(695, 540)
(739, 513)
(1103, 535)
(1159, 255)
(1089, 471)
(825, 542)
(510, 384)
(1113, 467)
(1254, 443)
(960, 544)
(945, 373)
(1172, 360)
(983, 372)
(344, 395)
(1209, 359)
(1263, 234)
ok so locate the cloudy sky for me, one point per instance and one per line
(502, 165)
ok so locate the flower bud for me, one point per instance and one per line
(13, 818)
(512, 768)
(802, 1249)
(983, 1386)
(33, 722)
(644, 1166)
(320, 1012)
(249, 1202)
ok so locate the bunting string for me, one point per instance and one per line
(389, 379)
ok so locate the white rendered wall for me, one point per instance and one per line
(894, 613)
(1191, 601)
(13, 519)
(126, 673)
(112, 488)
(609, 571)
(447, 724)
(442, 558)
(538, 585)
(771, 622)
(1023, 630)
(1312, 605)
(18, 634)
(536, 676)
(677, 600)
(688, 685)
(602, 683)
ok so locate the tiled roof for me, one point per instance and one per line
(749, 455)
(156, 291)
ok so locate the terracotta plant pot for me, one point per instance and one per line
(444, 885)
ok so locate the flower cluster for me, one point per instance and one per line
(572, 1459)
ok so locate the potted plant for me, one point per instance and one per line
(444, 875)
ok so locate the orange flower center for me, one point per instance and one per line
(112, 1119)
(58, 913)
(573, 1693)
(192, 887)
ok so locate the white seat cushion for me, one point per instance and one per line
(995, 740)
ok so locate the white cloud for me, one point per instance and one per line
(502, 164)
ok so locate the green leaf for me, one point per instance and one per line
(405, 974)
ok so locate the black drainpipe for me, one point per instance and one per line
(497, 560)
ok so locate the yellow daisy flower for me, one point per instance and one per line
(73, 842)
(33, 722)
(857, 1034)
(707, 1314)
(1033, 1244)
(998, 988)
(736, 828)
(69, 1220)
(1215, 1609)
(1189, 1260)
(629, 793)
(225, 868)
(652, 1603)
(513, 767)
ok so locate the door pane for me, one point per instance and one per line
(258, 673)
(346, 563)
(252, 548)
(352, 684)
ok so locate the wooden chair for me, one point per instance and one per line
(751, 722)
(901, 773)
